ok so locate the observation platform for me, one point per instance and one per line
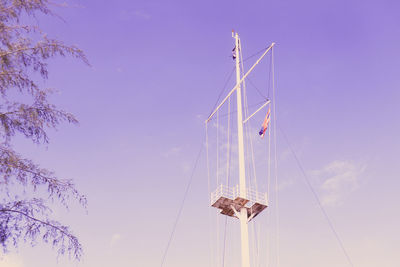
(224, 198)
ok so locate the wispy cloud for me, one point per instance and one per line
(142, 15)
(339, 178)
(285, 184)
(200, 117)
(172, 152)
(10, 260)
(127, 15)
(115, 238)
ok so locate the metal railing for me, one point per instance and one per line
(233, 192)
(257, 197)
(225, 191)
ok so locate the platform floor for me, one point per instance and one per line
(225, 205)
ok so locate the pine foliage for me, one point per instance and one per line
(24, 54)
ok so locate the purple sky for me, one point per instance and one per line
(157, 69)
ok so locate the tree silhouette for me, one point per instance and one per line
(24, 52)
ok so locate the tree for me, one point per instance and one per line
(24, 53)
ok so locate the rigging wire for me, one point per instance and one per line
(217, 169)
(250, 151)
(218, 148)
(245, 108)
(208, 169)
(224, 247)
(255, 54)
(234, 111)
(248, 78)
(269, 183)
(335, 233)
(209, 193)
(222, 90)
(269, 74)
(275, 161)
(256, 244)
(258, 91)
(227, 175)
(181, 206)
(228, 149)
(255, 254)
(248, 128)
(230, 76)
(251, 167)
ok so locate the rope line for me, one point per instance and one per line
(227, 176)
(275, 162)
(223, 251)
(255, 54)
(234, 111)
(217, 169)
(209, 193)
(268, 218)
(255, 252)
(269, 74)
(251, 163)
(222, 90)
(230, 75)
(258, 90)
(245, 108)
(317, 198)
(228, 143)
(217, 147)
(221, 227)
(181, 206)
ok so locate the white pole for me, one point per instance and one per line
(244, 233)
(242, 175)
(255, 112)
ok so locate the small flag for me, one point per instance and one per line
(234, 53)
(265, 124)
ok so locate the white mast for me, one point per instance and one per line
(242, 174)
(239, 201)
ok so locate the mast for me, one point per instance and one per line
(244, 230)
(241, 202)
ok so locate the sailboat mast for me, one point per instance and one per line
(240, 202)
(242, 174)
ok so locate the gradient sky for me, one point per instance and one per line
(157, 69)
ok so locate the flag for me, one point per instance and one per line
(265, 124)
(234, 53)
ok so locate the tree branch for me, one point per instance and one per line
(32, 48)
(70, 236)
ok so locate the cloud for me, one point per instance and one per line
(200, 117)
(285, 184)
(115, 238)
(339, 178)
(10, 260)
(127, 15)
(140, 14)
(172, 152)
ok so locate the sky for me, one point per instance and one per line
(157, 68)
